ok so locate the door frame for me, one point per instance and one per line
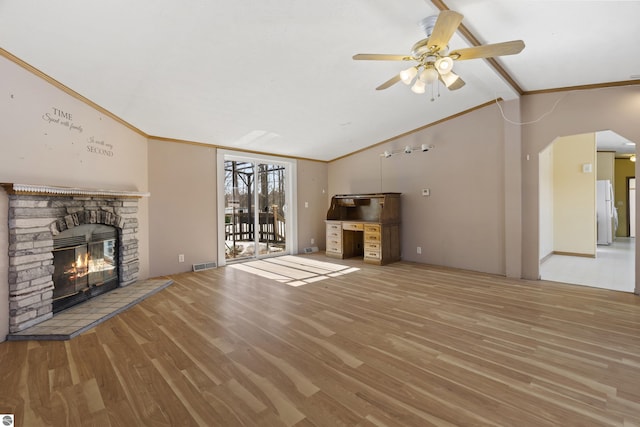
(291, 196)
(628, 188)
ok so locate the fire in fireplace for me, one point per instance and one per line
(85, 260)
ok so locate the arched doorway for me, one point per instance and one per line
(573, 245)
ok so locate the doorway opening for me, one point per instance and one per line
(631, 206)
(258, 218)
(571, 248)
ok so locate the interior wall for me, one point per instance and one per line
(561, 114)
(49, 137)
(313, 202)
(546, 202)
(461, 223)
(574, 195)
(184, 213)
(512, 189)
(606, 166)
(182, 220)
(624, 168)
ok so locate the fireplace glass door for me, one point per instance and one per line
(85, 264)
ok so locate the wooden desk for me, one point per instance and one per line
(364, 225)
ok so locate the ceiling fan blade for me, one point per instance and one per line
(393, 80)
(446, 24)
(489, 50)
(380, 57)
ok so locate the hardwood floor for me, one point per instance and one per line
(399, 345)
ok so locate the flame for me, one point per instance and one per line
(80, 266)
(80, 262)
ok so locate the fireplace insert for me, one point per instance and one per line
(85, 260)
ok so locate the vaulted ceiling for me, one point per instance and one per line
(278, 76)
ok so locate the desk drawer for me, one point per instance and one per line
(369, 246)
(334, 242)
(352, 226)
(334, 235)
(334, 248)
(372, 237)
(334, 226)
(372, 228)
(372, 254)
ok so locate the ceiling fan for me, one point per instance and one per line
(433, 61)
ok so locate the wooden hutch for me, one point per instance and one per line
(366, 225)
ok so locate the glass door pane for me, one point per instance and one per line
(239, 210)
(257, 207)
(272, 208)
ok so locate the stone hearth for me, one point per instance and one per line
(36, 214)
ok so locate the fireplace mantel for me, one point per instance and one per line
(50, 190)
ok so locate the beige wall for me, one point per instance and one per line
(313, 202)
(483, 212)
(561, 114)
(624, 169)
(455, 235)
(606, 166)
(183, 205)
(546, 202)
(84, 149)
(182, 219)
(462, 223)
(574, 195)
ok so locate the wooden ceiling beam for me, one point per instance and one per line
(473, 40)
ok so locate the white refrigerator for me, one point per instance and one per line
(606, 215)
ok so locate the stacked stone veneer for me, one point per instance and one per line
(33, 221)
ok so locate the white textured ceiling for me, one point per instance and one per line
(277, 76)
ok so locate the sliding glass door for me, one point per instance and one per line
(257, 220)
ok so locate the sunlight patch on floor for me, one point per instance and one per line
(294, 271)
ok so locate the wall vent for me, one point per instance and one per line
(311, 249)
(204, 266)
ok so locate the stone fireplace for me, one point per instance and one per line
(67, 245)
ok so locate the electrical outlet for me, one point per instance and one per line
(181, 258)
(426, 191)
(419, 250)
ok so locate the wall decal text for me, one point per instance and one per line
(62, 118)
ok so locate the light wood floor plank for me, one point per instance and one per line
(399, 345)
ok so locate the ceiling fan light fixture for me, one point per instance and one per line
(418, 86)
(449, 78)
(444, 65)
(407, 75)
(429, 75)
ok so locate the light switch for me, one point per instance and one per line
(426, 192)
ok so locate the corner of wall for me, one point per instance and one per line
(4, 265)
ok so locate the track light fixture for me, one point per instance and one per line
(407, 150)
